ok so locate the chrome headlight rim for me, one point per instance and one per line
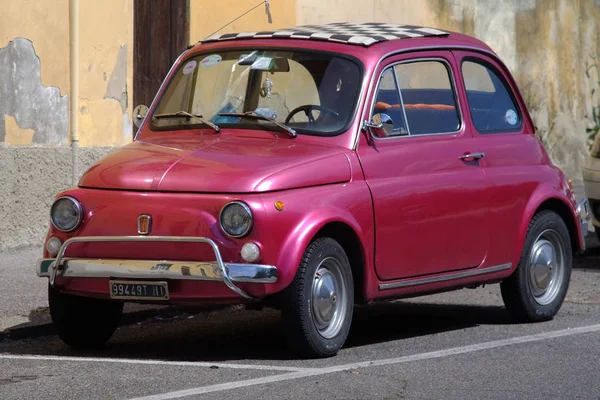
(79, 210)
(248, 211)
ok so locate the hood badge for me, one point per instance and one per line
(144, 224)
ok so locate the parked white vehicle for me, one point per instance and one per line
(591, 180)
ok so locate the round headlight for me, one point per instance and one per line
(236, 219)
(66, 214)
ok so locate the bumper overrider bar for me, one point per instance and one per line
(217, 270)
(584, 215)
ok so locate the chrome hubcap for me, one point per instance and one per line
(329, 298)
(546, 264)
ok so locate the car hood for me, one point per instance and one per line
(219, 165)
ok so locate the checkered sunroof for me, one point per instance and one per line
(362, 34)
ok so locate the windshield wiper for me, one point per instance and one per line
(253, 115)
(189, 115)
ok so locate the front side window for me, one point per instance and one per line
(309, 92)
(492, 107)
(419, 97)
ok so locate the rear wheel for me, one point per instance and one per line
(83, 322)
(318, 306)
(537, 288)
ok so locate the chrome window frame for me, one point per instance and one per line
(397, 84)
(453, 86)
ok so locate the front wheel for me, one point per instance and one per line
(537, 288)
(83, 322)
(318, 305)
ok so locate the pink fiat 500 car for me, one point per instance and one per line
(312, 169)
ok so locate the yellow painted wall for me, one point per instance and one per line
(45, 23)
(208, 16)
(15, 136)
(105, 27)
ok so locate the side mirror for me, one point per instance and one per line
(139, 113)
(381, 125)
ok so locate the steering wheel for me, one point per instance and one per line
(308, 109)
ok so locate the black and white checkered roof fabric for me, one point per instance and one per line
(362, 34)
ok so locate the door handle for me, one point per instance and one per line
(474, 156)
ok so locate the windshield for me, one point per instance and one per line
(311, 93)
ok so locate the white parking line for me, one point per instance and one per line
(155, 362)
(389, 361)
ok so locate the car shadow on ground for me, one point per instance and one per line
(235, 335)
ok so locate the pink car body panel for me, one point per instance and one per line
(455, 215)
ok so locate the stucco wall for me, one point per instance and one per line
(30, 178)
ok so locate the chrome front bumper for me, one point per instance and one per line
(584, 215)
(217, 270)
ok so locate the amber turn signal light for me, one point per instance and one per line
(279, 205)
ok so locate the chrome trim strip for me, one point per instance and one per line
(443, 278)
(58, 264)
(397, 82)
(409, 50)
(155, 269)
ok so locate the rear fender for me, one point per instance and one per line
(543, 194)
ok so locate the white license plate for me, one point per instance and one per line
(139, 290)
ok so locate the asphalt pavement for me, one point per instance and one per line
(457, 345)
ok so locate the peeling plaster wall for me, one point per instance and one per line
(23, 97)
(45, 24)
(34, 71)
(36, 161)
(105, 72)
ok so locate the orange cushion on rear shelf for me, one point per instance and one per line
(421, 106)
(428, 107)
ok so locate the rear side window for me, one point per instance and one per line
(493, 109)
(419, 97)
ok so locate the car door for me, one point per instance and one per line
(514, 159)
(430, 201)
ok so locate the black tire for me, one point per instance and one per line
(300, 320)
(83, 322)
(523, 292)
